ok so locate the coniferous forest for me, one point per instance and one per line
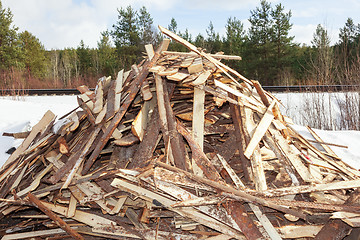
(269, 53)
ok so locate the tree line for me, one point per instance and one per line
(269, 53)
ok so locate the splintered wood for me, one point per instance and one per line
(179, 147)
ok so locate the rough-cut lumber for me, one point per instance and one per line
(191, 54)
(260, 130)
(61, 223)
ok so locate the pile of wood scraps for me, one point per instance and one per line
(179, 147)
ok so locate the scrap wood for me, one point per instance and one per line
(123, 164)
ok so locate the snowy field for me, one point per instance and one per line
(21, 113)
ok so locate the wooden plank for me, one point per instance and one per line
(99, 96)
(201, 79)
(118, 87)
(179, 76)
(196, 66)
(72, 207)
(198, 155)
(149, 51)
(191, 54)
(198, 118)
(61, 223)
(313, 188)
(261, 93)
(292, 155)
(237, 116)
(236, 93)
(260, 130)
(92, 220)
(33, 234)
(295, 232)
(138, 126)
(110, 101)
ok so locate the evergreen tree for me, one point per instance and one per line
(9, 44)
(173, 25)
(269, 48)
(235, 37)
(260, 45)
(281, 38)
(213, 41)
(175, 46)
(33, 55)
(84, 59)
(107, 57)
(234, 42)
(126, 36)
(200, 41)
(146, 29)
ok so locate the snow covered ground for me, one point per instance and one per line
(21, 113)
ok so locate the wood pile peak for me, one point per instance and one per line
(179, 147)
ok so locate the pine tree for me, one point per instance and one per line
(9, 46)
(260, 43)
(126, 37)
(213, 41)
(146, 29)
(84, 59)
(107, 57)
(269, 43)
(33, 55)
(234, 41)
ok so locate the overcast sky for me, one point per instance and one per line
(64, 23)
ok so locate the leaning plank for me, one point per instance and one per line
(47, 119)
(198, 155)
(61, 223)
(138, 126)
(99, 98)
(291, 154)
(198, 118)
(118, 86)
(260, 130)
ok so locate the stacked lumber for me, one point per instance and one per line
(179, 147)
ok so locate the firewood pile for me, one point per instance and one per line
(179, 147)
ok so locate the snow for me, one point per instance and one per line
(21, 113)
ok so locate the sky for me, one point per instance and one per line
(64, 23)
